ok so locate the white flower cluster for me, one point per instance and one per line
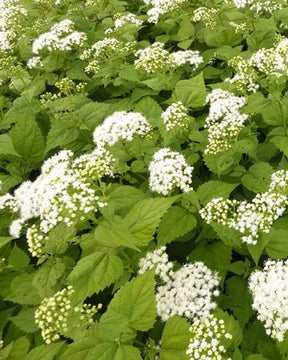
(34, 62)
(270, 297)
(273, 61)
(121, 125)
(205, 15)
(250, 219)
(259, 6)
(104, 50)
(12, 14)
(61, 37)
(53, 314)
(122, 20)
(155, 58)
(175, 116)
(158, 258)
(63, 192)
(190, 57)
(224, 121)
(186, 292)
(208, 339)
(246, 76)
(189, 292)
(160, 7)
(168, 169)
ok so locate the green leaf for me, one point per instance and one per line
(44, 352)
(144, 217)
(256, 250)
(216, 256)
(28, 140)
(23, 291)
(150, 109)
(80, 350)
(281, 142)
(25, 320)
(136, 301)
(18, 258)
(214, 189)
(16, 350)
(114, 233)
(95, 272)
(63, 131)
(111, 351)
(47, 276)
(91, 350)
(175, 339)
(175, 223)
(238, 299)
(125, 196)
(258, 177)
(191, 92)
(58, 239)
(5, 240)
(277, 240)
(6, 147)
(229, 236)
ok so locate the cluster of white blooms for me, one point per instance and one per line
(251, 218)
(259, 6)
(11, 19)
(63, 192)
(270, 297)
(205, 15)
(66, 87)
(160, 7)
(175, 116)
(273, 61)
(121, 125)
(245, 77)
(191, 57)
(224, 121)
(8, 202)
(168, 169)
(160, 259)
(122, 20)
(105, 50)
(208, 339)
(61, 37)
(189, 292)
(155, 58)
(53, 314)
(34, 62)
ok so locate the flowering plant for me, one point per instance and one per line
(144, 179)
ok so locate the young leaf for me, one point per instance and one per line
(191, 92)
(175, 339)
(28, 141)
(214, 189)
(95, 272)
(144, 217)
(175, 223)
(44, 352)
(136, 301)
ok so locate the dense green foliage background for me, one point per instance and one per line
(100, 259)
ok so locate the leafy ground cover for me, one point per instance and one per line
(144, 179)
